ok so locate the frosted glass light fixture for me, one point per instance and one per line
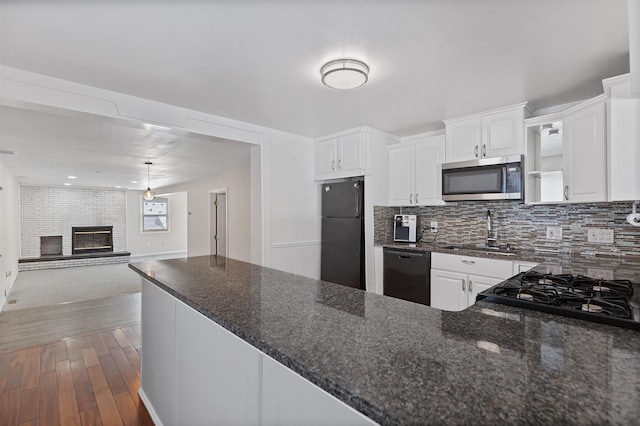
(344, 74)
(148, 195)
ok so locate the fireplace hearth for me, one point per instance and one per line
(91, 239)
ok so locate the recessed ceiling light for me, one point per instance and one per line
(118, 187)
(134, 181)
(71, 177)
(344, 74)
(67, 184)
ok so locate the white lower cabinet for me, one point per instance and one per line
(195, 372)
(217, 373)
(289, 399)
(158, 366)
(456, 280)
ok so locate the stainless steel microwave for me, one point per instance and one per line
(498, 178)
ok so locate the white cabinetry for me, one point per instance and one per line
(585, 176)
(158, 365)
(495, 133)
(217, 373)
(566, 155)
(521, 266)
(289, 399)
(195, 372)
(623, 130)
(415, 172)
(456, 280)
(342, 155)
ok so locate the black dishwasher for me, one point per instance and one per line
(407, 275)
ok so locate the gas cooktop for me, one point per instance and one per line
(613, 302)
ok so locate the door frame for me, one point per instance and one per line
(217, 192)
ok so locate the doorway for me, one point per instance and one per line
(218, 223)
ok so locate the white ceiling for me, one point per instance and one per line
(52, 144)
(258, 61)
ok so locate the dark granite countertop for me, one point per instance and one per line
(576, 263)
(403, 363)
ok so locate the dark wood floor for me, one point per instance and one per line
(89, 380)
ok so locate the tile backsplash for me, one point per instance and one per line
(523, 226)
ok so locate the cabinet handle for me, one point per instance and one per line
(566, 192)
(333, 165)
(484, 150)
(475, 151)
(470, 289)
(463, 289)
(468, 262)
(340, 164)
(416, 198)
(410, 198)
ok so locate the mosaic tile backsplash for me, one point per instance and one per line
(523, 226)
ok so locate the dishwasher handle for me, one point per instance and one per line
(405, 254)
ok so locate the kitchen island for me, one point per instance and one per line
(398, 362)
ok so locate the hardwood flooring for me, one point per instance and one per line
(88, 380)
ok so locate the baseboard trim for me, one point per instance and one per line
(149, 407)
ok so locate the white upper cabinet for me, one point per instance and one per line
(342, 155)
(503, 133)
(495, 133)
(401, 175)
(326, 154)
(566, 155)
(623, 130)
(463, 140)
(585, 176)
(415, 172)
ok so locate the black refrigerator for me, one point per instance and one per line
(342, 256)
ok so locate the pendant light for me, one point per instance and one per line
(148, 195)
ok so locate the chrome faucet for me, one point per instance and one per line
(491, 236)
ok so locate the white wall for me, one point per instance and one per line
(9, 231)
(293, 221)
(288, 206)
(238, 187)
(171, 243)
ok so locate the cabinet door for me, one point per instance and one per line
(503, 134)
(158, 365)
(401, 175)
(448, 290)
(326, 152)
(429, 158)
(463, 140)
(289, 399)
(476, 284)
(217, 373)
(584, 154)
(349, 152)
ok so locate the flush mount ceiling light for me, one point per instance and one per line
(344, 74)
(148, 195)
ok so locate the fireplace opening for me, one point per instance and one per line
(91, 239)
(51, 245)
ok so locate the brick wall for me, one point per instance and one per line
(48, 211)
(523, 226)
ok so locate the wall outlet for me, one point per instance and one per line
(554, 232)
(434, 226)
(600, 235)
